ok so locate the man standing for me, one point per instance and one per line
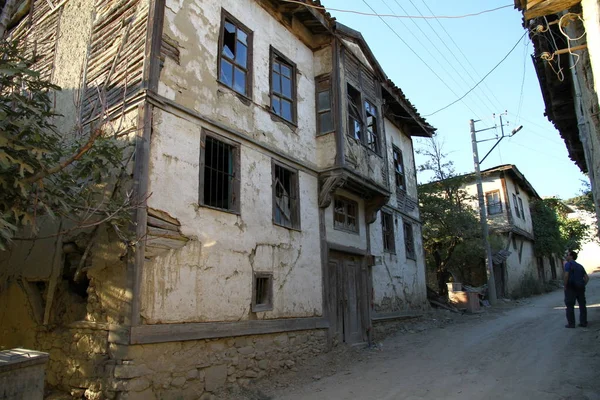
(575, 280)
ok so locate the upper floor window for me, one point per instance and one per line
(355, 120)
(283, 86)
(516, 205)
(286, 200)
(400, 177)
(219, 173)
(494, 205)
(387, 226)
(345, 214)
(372, 133)
(324, 106)
(521, 207)
(235, 44)
(362, 119)
(409, 241)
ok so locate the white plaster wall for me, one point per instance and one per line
(323, 61)
(195, 25)
(344, 238)
(210, 279)
(523, 223)
(395, 137)
(398, 282)
(516, 270)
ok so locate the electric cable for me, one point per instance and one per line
(498, 102)
(375, 14)
(517, 119)
(482, 79)
(481, 102)
(414, 52)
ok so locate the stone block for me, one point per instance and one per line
(128, 371)
(215, 377)
(251, 374)
(178, 382)
(281, 340)
(263, 364)
(246, 350)
(192, 374)
(146, 394)
(138, 384)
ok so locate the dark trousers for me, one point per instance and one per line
(571, 295)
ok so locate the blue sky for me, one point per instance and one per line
(461, 52)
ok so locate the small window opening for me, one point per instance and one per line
(494, 205)
(262, 294)
(409, 242)
(234, 57)
(324, 107)
(372, 136)
(399, 169)
(345, 214)
(282, 88)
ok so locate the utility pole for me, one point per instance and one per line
(483, 220)
(482, 210)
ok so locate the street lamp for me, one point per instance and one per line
(482, 211)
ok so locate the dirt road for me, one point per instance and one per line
(521, 353)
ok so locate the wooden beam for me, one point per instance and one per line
(161, 333)
(540, 8)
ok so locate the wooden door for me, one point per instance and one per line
(347, 297)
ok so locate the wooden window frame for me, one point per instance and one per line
(236, 150)
(362, 114)
(396, 150)
(268, 305)
(375, 144)
(274, 55)
(388, 235)
(346, 227)
(226, 16)
(521, 208)
(322, 85)
(489, 205)
(295, 209)
(409, 240)
(516, 206)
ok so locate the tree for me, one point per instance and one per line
(449, 223)
(554, 232)
(585, 200)
(43, 172)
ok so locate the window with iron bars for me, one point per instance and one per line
(286, 202)
(219, 183)
(262, 292)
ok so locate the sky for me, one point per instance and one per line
(436, 61)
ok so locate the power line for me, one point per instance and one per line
(447, 61)
(374, 14)
(522, 81)
(482, 79)
(415, 53)
(427, 49)
(498, 103)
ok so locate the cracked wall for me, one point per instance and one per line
(210, 279)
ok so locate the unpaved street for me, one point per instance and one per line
(519, 353)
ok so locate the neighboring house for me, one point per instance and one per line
(277, 162)
(569, 83)
(507, 198)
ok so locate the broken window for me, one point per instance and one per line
(521, 207)
(494, 205)
(283, 87)
(324, 107)
(286, 204)
(345, 214)
(234, 57)
(387, 225)
(372, 135)
(409, 242)
(262, 292)
(516, 205)
(219, 183)
(399, 170)
(355, 120)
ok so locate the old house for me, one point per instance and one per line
(275, 160)
(508, 196)
(566, 39)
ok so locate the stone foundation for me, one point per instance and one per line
(195, 369)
